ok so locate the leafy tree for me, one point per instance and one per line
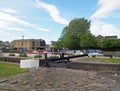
(71, 41)
(105, 44)
(64, 32)
(58, 44)
(117, 44)
(70, 37)
(88, 41)
(78, 26)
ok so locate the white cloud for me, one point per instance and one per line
(101, 28)
(9, 22)
(53, 11)
(3, 33)
(43, 29)
(7, 10)
(106, 8)
(15, 28)
(9, 26)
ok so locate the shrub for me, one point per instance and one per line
(23, 55)
(13, 51)
(93, 56)
(111, 56)
(1, 54)
(53, 57)
(11, 54)
(38, 56)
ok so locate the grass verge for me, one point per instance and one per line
(7, 69)
(113, 60)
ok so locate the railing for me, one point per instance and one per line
(46, 62)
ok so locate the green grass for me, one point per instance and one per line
(113, 60)
(7, 69)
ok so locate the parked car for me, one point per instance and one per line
(94, 52)
(0, 49)
(116, 54)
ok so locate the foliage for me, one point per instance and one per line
(13, 51)
(53, 57)
(78, 26)
(38, 56)
(11, 54)
(70, 37)
(109, 44)
(71, 41)
(88, 41)
(64, 32)
(23, 54)
(58, 44)
(77, 36)
(4, 43)
(93, 56)
(1, 54)
(7, 69)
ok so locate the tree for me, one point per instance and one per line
(64, 32)
(58, 44)
(109, 44)
(88, 41)
(117, 44)
(78, 26)
(70, 37)
(71, 41)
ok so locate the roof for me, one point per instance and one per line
(21, 40)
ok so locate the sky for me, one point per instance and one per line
(45, 19)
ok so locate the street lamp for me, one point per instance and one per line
(22, 43)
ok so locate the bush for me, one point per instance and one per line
(1, 54)
(11, 54)
(23, 55)
(53, 57)
(111, 56)
(13, 51)
(93, 56)
(38, 56)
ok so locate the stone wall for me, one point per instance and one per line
(95, 67)
(74, 65)
(11, 59)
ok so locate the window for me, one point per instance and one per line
(33, 43)
(22, 43)
(33, 47)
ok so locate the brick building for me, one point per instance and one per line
(30, 44)
(111, 37)
(107, 37)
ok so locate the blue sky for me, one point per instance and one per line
(46, 19)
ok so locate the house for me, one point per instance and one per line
(30, 44)
(111, 37)
(106, 37)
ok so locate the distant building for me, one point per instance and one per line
(33, 44)
(52, 44)
(107, 37)
(100, 37)
(0, 49)
(111, 37)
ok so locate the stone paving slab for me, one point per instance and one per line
(61, 79)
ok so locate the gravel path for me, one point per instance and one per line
(61, 79)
